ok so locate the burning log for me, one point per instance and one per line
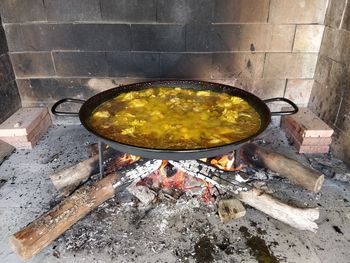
(45, 229)
(304, 176)
(300, 218)
(230, 209)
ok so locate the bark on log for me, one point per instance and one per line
(68, 179)
(300, 218)
(42, 231)
(297, 173)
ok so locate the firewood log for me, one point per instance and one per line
(297, 173)
(45, 229)
(300, 218)
(69, 178)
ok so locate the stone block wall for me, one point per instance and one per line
(73, 48)
(330, 97)
(9, 96)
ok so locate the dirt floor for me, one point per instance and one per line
(183, 230)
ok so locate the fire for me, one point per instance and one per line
(226, 162)
(127, 159)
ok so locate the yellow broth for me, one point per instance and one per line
(175, 118)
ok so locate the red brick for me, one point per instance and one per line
(22, 122)
(310, 141)
(307, 148)
(307, 124)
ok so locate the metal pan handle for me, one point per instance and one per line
(65, 113)
(279, 113)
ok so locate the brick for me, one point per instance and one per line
(308, 38)
(185, 11)
(158, 37)
(80, 63)
(130, 11)
(14, 11)
(299, 90)
(47, 37)
(297, 11)
(307, 124)
(313, 149)
(237, 65)
(127, 64)
(32, 64)
(23, 121)
(174, 65)
(10, 100)
(334, 13)
(290, 65)
(252, 37)
(300, 140)
(73, 10)
(41, 127)
(20, 144)
(6, 72)
(241, 11)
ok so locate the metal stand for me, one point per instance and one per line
(100, 158)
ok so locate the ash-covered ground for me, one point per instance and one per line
(182, 230)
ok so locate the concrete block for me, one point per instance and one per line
(80, 64)
(47, 37)
(185, 11)
(297, 11)
(16, 11)
(290, 65)
(324, 102)
(128, 64)
(180, 65)
(308, 38)
(73, 10)
(345, 24)
(335, 45)
(241, 11)
(267, 88)
(299, 90)
(341, 146)
(199, 38)
(237, 65)
(343, 119)
(3, 42)
(12, 101)
(130, 11)
(6, 72)
(323, 70)
(252, 37)
(158, 37)
(334, 13)
(28, 65)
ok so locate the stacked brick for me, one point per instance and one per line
(25, 127)
(307, 132)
